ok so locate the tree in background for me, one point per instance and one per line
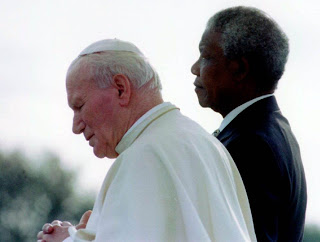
(311, 233)
(30, 196)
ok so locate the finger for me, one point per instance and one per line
(39, 235)
(66, 223)
(47, 228)
(85, 217)
(45, 225)
(56, 222)
(84, 220)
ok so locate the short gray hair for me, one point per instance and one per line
(249, 32)
(106, 64)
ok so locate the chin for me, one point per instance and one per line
(112, 156)
(203, 104)
(98, 153)
(102, 154)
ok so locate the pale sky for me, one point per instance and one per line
(40, 38)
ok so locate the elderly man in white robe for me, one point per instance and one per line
(171, 180)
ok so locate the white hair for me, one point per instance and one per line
(106, 64)
(249, 32)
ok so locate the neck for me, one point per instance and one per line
(143, 100)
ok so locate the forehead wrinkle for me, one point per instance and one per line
(210, 41)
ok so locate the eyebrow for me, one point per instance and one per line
(74, 101)
(202, 45)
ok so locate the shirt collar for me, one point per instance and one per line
(139, 126)
(234, 113)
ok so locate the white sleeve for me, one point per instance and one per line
(81, 235)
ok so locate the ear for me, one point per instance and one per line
(123, 86)
(239, 68)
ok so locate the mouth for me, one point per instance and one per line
(91, 142)
(89, 137)
(197, 85)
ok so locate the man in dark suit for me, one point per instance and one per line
(243, 53)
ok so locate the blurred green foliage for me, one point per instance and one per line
(31, 195)
(311, 233)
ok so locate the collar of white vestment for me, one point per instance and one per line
(142, 123)
(235, 112)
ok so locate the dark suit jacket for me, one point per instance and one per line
(267, 155)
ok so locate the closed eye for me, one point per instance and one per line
(80, 107)
(76, 107)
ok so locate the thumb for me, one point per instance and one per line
(84, 220)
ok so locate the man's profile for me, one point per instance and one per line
(243, 53)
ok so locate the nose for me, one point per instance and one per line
(78, 125)
(195, 68)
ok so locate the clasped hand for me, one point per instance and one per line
(57, 231)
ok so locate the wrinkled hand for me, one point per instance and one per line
(57, 231)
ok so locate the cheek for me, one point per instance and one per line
(102, 112)
(207, 73)
(214, 78)
(208, 80)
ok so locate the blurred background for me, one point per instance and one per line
(47, 172)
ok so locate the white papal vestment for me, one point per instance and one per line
(172, 181)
